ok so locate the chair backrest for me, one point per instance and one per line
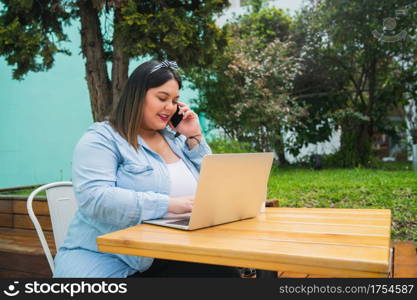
(62, 206)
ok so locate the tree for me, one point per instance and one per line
(255, 5)
(318, 88)
(266, 24)
(32, 33)
(247, 90)
(408, 62)
(341, 36)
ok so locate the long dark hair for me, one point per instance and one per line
(127, 116)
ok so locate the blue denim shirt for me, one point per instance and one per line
(117, 186)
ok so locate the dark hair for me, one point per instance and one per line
(127, 116)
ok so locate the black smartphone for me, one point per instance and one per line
(176, 118)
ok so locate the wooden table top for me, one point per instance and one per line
(327, 241)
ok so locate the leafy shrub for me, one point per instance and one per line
(229, 146)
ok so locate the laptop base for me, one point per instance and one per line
(169, 223)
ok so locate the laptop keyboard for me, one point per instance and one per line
(184, 222)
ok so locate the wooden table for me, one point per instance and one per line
(332, 242)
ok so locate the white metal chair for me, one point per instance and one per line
(62, 206)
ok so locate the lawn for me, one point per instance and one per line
(24, 192)
(394, 187)
(352, 188)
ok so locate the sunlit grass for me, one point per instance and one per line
(347, 188)
(354, 188)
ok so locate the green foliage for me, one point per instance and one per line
(252, 82)
(256, 5)
(24, 192)
(337, 41)
(345, 159)
(356, 188)
(267, 25)
(230, 146)
(185, 31)
(31, 34)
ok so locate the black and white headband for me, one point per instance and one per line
(165, 64)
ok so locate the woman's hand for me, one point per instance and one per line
(189, 125)
(180, 205)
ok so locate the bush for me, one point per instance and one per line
(332, 161)
(230, 146)
(335, 161)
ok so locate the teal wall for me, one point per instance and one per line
(43, 117)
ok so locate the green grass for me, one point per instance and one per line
(394, 187)
(24, 193)
(354, 188)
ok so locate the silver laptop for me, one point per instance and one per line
(231, 187)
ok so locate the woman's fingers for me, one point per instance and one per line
(180, 205)
(184, 109)
(189, 114)
(190, 203)
(182, 106)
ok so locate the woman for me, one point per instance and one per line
(135, 167)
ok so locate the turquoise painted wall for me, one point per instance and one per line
(43, 117)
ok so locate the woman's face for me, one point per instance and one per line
(160, 104)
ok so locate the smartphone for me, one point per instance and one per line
(176, 118)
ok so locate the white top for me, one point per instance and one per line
(183, 182)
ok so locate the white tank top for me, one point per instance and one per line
(183, 182)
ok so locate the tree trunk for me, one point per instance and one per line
(372, 87)
(355, 144)
(99, 85)
(280, 150)
(370, 112)
(120, 66)
(414, 157)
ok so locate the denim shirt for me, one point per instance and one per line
(117, 186)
